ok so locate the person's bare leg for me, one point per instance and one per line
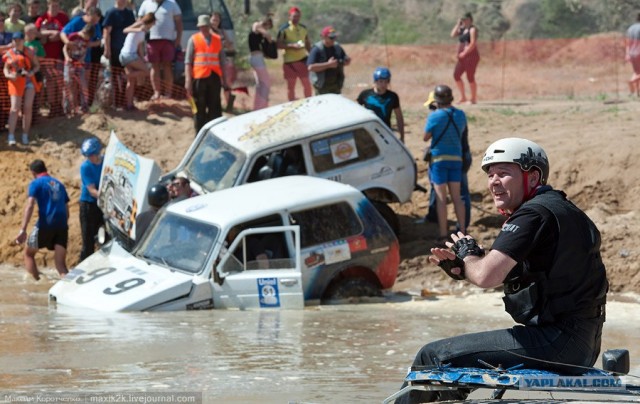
(441, 209)
(13, 113)
(167, 79)
(474, 92)
(29, 95)
(458, 205)
(155, 80)
(60, 256)
(460, 84)
(30, 262)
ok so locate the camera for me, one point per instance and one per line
(21, 72)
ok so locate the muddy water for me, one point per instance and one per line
(327, 354)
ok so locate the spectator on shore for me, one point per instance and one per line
(50, 25)
(261, 46)
(32, 42)
(20, 66)
(326, 63)
(75, 51)
(33, 12)
(5, 37)
(444, 130)
(229, 67)
(468, 56)
(294, 39)
(14, 23)
(91, 16)
(132, 56)
(164, 39)
(383, 101)
(52, 229)
(432, 213)
(204, 76)
(116, 19)
(632, 55)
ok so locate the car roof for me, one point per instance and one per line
(245, 202)
(258, 130)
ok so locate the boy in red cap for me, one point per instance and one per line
(294, 39)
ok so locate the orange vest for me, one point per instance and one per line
(17, 61)
(206, 58)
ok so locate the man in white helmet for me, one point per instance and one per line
(547, 257)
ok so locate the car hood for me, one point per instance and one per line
(113, 280)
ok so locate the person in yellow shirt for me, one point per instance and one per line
(294, 39)
(14, 23)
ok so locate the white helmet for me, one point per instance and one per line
(523, 152)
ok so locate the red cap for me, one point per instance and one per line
(329, 31)
(294, 10)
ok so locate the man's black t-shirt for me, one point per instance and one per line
(529, 236)
(381, 104)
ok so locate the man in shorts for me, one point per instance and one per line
(632, 55)
(52, 229)
(164, 39)
(294, 39)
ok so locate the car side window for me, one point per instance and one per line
(259, 251)
(278, 163)
(326, 223)
(342, 149)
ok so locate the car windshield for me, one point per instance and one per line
(179, 242)
(214, 164)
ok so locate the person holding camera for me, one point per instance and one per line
(443, 130)
(20, 66)
(326, 63)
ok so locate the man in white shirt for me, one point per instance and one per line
(164, 40)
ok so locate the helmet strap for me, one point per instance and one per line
(528, 193)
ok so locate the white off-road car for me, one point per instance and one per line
(327, 136)
(281, 243)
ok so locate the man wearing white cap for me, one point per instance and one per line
(203, 72)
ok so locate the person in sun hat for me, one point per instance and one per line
(326, 63)
(204, 76)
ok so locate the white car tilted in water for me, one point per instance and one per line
(281, 243)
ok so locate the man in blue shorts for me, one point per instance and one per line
(444, 130)
(52, 229)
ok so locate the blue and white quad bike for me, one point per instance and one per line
(609, 380)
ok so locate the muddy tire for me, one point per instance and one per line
(352, 287)
(389, 216)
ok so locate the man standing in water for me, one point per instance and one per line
(52, 229)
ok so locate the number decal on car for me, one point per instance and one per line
(93, 275)
(124, 286)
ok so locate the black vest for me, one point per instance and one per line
(575, 285)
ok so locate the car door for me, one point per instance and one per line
(243, 282)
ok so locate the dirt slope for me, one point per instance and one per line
(592, 146)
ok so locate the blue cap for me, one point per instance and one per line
(18, 35)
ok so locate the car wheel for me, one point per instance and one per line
(389, 215)
(108, 200)
(352, 287)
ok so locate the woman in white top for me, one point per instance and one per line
(132, 55)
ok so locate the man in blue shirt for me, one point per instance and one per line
(91, 217)
(52, 229)
(444, 130)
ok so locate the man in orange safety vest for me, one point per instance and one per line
(203, 73)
